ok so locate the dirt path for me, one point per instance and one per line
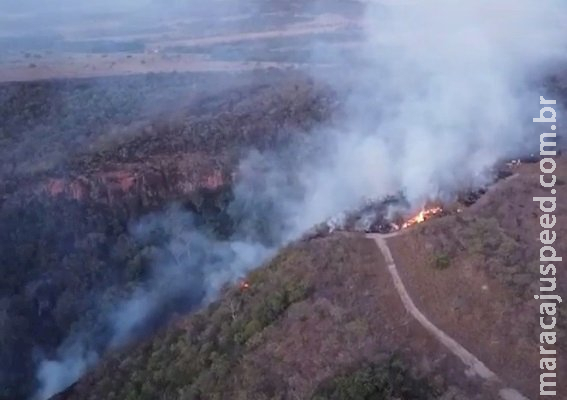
(475, 367)
(321, 24)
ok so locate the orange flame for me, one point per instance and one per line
(423, 215)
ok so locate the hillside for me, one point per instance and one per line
(251, 200)
(320, 320)
(319, 310)
(323, 319)
(67, 221)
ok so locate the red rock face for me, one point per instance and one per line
(214, 180)
(166, 179)
(54, 187)
(75, 189)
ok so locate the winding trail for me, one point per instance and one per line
(475, 367)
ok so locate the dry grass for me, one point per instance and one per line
(484, 296)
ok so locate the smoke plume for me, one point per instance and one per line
(441, 90)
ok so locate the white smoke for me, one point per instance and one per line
(189, 271)
(442, 91)
(59, 374)
(449, 82)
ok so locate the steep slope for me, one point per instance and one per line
(323, 320)
(67, 252)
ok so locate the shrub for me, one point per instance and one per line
(389, 380)
(441, 261)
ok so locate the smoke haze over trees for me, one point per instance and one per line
(438, 94)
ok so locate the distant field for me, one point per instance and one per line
(234, 40)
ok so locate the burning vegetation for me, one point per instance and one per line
(244, 285)
(384, 217)
(393, 213)
(422, 216)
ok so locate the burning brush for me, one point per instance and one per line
(244, 285)
(389, 215)
(422, 216)
(377, 217)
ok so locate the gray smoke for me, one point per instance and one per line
(188, 271)
(442, 91)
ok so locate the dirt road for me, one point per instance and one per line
(475, 367)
